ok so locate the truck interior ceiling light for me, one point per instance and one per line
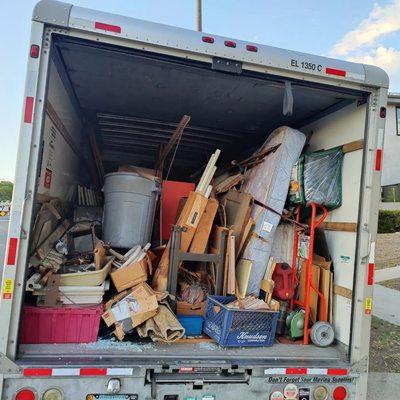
(52, 394)
(35, 50)
(207, 39)
(230, 43)
(25, 394)
(339, 393)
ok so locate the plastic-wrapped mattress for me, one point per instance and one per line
(268, 182)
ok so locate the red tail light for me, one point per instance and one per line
(340, 393)
(207, 39)
(229, 43)
(251, 47)
(25, 394)
(35, 51)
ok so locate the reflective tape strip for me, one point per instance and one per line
(379, 154)
(107, 27)
(119, 371)
(371, 258)
(337, 371)
(352, 75)
(12, 251)
(296, 371)
(32, 372)
(28, 109)
(275, 371)
(37, 372)
(334, 71)
(306, 371)
(93, 371)
(317, 371)
(371, 264)
(371, 270)
(65, 372)
(378, 160)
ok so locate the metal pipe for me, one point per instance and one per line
(198, 16)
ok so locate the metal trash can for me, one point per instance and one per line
(129, 207)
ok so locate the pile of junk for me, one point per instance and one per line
(235, 255)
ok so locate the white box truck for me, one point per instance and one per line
(126, 82)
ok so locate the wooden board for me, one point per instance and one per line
(231, 282)
(173, 139)
(330, 307)
(200, 238)
(215, 238)
(193, 339)
(324, 287)
(342, 291)
(245, 236)
(339, 226)
(228, 183)
(48, 244)
(353, 146)
(189, 219)
(243, 270)
(315, 274)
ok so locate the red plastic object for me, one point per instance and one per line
(282, 276)
(172, 192)
(67, 324)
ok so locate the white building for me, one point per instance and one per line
(391, 154)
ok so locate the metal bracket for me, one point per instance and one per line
(225, 65)
(176, 256)
(7, 366)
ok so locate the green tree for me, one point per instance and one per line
(6, 189)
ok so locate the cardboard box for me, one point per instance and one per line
(237, 210)
(324, 284)
(185, 308)
(131, 275)
(140, 304)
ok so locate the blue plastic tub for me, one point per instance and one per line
(193, 324)
(233, 327)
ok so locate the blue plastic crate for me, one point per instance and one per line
(233, 327)
(193, 324)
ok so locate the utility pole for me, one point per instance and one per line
(198, 16)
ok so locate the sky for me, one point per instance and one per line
(357, 30)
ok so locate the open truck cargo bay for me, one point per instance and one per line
(127, 83)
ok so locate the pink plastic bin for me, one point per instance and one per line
(67, 324)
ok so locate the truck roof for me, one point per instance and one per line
(67, 15)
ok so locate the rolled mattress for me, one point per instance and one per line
(268, 183)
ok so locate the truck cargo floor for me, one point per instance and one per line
(112, 352)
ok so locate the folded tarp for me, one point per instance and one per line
(317, 178)
(268, 182)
